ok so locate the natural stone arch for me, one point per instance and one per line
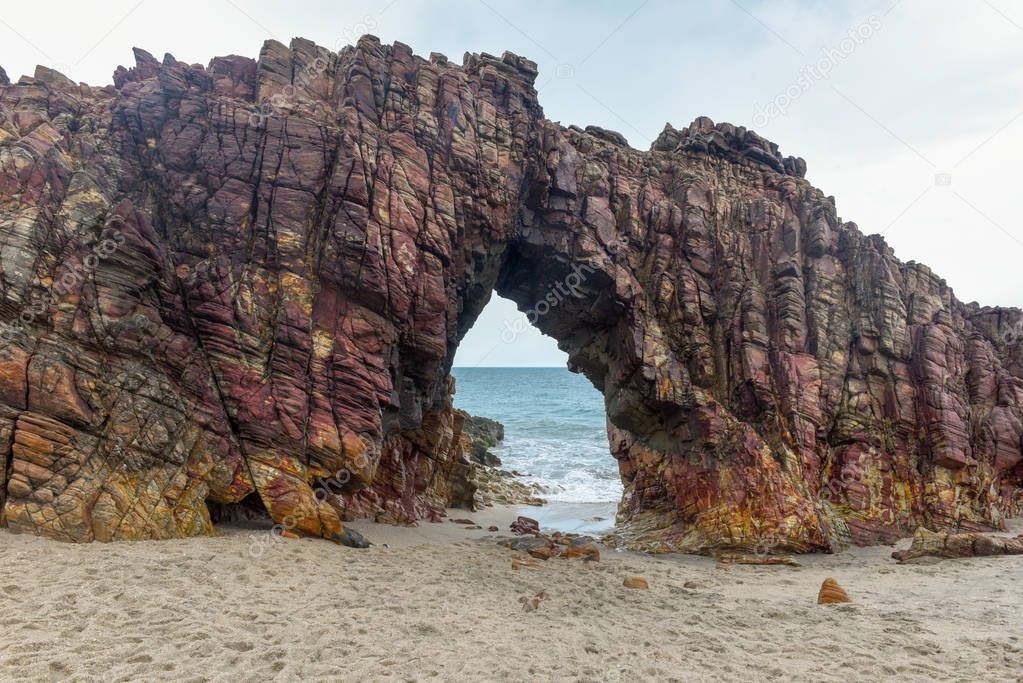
(304, 239)
(659, 422)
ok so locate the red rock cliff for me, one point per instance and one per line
(242, 286)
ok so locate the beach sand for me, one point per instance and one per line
(442, 603)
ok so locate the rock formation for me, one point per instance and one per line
(241, 286)
(484, 434)
(929, 546)
(477, 482)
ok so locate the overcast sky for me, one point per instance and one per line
(914, 124)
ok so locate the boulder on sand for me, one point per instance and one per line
(931, 545)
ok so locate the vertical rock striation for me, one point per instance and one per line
(241, 286)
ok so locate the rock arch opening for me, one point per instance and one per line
(554, 445)
(564, 288)
(503, 337)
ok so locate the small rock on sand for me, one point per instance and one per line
(831, 593)
(583, 548)
(636, 582)
(525, 525)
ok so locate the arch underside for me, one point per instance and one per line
(284, 289)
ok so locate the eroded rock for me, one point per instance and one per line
(246, 284)
(929, 545)
(525, 525)
(831, 593)
(485, 434)
(543, 546)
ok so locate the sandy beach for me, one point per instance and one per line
(440, 602)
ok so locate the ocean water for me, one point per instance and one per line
(554, 431)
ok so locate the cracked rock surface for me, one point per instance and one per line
(240, 288)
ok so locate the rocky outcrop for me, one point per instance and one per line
(929, 546)
(244, 284)
(484, 434)
(495, 486)
(476, 482)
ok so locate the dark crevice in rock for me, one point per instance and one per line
(8, 469)
(249, 508)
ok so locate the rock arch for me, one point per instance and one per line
(251, 278)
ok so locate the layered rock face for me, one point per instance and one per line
(241, 287)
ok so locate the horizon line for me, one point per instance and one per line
(508, 367)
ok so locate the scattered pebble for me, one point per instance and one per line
(637, 582)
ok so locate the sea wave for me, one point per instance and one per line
(555, 429)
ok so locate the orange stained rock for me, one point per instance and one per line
(831, 592)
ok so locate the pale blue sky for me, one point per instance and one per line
(934, 89)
